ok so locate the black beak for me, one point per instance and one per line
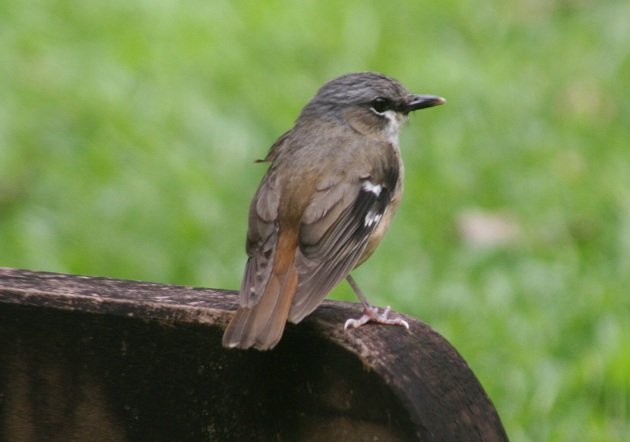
(415, 102)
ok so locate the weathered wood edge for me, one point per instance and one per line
(422, 368)
(102, 295)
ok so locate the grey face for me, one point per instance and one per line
(368, 92)
(365, 89)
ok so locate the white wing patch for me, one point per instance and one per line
(372, 218)
(371, 187)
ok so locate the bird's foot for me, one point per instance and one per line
(371, 314)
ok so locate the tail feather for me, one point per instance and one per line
(261, 325)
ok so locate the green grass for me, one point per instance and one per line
(128, 131)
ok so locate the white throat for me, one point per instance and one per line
(395, 121)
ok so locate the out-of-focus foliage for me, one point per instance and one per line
(128, 131)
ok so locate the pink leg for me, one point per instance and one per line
(370, 313)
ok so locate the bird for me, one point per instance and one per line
(333, 183)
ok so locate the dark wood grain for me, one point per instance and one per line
(86, 358)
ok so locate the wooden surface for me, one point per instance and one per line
(85, 358)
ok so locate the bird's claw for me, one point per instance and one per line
(371, 314)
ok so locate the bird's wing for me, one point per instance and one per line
(262, 233)
(262, 238)
(270, 277)
(334, 232)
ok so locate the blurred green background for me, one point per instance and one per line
(128, 131)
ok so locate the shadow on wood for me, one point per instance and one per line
(101, 359)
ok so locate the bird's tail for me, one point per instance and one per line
(261, 325)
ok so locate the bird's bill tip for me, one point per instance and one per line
(417, 101)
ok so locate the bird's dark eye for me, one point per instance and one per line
(381, 104)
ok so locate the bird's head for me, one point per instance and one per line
(370, 103)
